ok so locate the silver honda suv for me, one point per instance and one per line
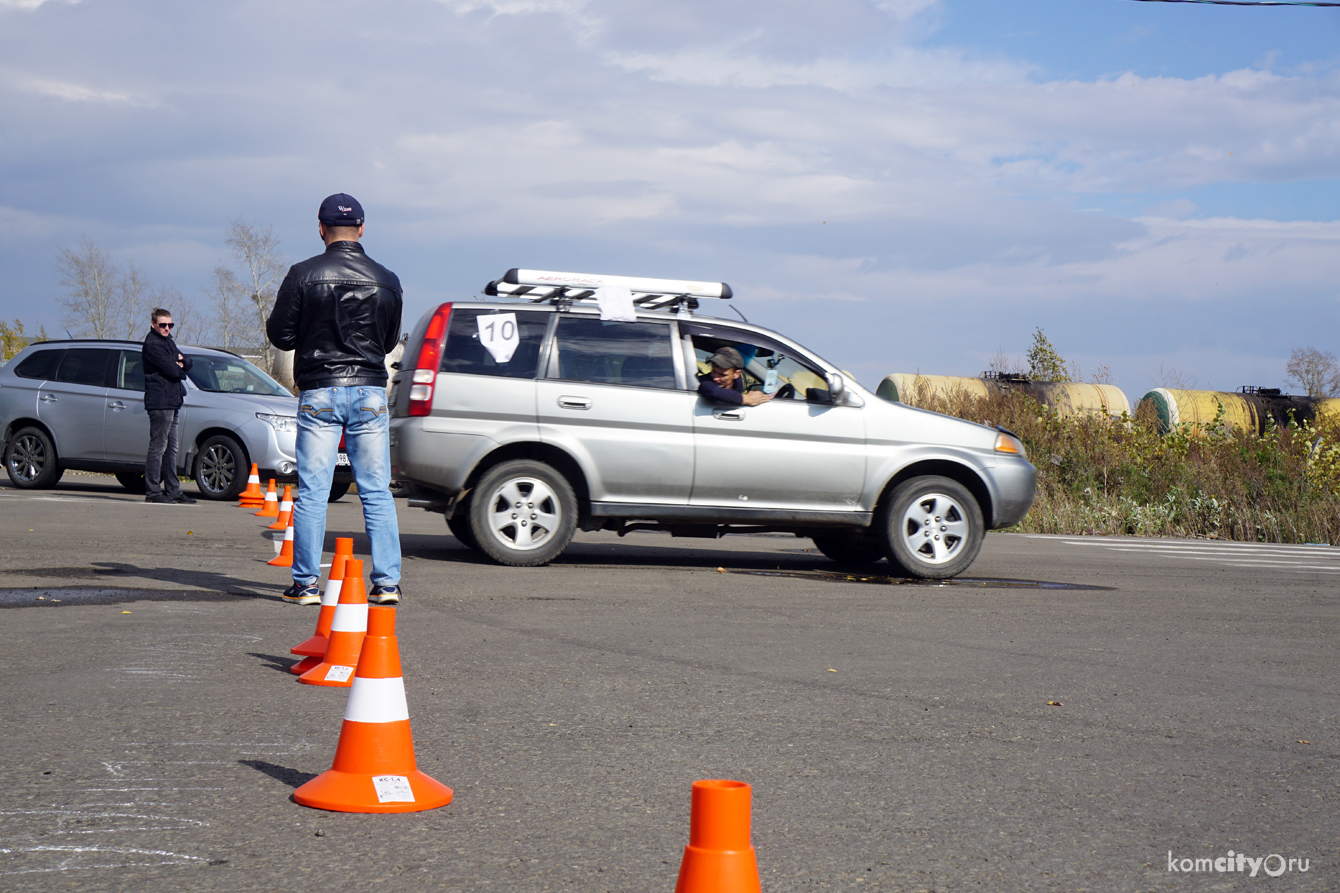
(573, 403)
(80, 405)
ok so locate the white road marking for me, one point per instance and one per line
(1309, 558)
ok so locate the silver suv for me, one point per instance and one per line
(80, 405)
(523, 420)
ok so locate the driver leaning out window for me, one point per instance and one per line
(724, 382)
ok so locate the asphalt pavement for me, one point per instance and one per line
(1074, 714)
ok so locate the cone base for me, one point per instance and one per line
(718, 871)
(313, 647)
(281, 561)
(304, 665)
(354, 792)
(317, 676)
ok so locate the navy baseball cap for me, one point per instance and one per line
(340, 209)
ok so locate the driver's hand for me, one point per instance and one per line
(754, 398)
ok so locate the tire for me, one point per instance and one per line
(932, 526)
(523, 514)
(850, 548)
(221, 468)
(131, 480)
(31, 461)
(338, 489)
(460, 528)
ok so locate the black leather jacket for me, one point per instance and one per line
(164, 385)
(340, 314)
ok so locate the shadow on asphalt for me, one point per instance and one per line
(275, 662)
(291, 777)
(198, 578)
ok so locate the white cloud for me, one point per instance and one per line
(29, 4)
(78, 93)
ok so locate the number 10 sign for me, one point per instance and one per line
(498, 334)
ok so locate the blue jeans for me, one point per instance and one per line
(361, 414)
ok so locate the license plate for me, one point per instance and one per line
(341, 458)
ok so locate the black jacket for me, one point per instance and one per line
(163, 388)
(713, 391)
(340, 314)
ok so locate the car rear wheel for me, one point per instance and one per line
(220, 468)
(933, 527)
(523, 513)
(30, 460)
(851, 548)
(131, 480)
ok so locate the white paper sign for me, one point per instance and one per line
(338, 673)
(615, 303)
(770, 382)
(499, 335)
(392, 789)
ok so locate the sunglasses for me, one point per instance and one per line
(165, 325)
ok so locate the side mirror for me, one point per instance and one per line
(837, 386)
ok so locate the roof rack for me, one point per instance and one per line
(573, 288)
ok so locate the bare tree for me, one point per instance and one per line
(243, 293)
(1315, 371)
(1003, 364)
(1173, 377)
(94, 300)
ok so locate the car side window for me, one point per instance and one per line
(636, 354)
(84, 365)
(129, 371)
(768, 366)
(40, 364)
(465, 351)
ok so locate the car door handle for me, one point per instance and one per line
(48, 398)
(728, 415)
(574, 402)
(117, 405)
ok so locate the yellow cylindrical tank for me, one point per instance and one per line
(1200, 408)
(1075, 398)
(914, 388)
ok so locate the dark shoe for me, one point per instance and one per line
(160, 499)
(183, 499)
(302, 595)
(385, 595)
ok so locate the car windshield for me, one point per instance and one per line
(233, 375)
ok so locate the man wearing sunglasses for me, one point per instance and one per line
(164, 371)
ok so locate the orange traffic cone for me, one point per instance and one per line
(252, 497)
(285, 514)
(314, 649)
(285, 556)
(271, 507)
(375, 769)
(719, 857)
(347, 630)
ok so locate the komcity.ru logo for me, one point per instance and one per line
(1273, 865)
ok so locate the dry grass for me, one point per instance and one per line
(1118, 476)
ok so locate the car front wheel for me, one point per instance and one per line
(933, 527)
(523, 513)
(221, 468)
(30, 460)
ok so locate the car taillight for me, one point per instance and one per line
(342, 449)
(429, 361)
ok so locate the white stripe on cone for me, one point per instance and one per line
(377, 700)
(350, 619)
(288, 536)
(286, 505)
(332, 594)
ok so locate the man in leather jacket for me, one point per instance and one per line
(340, 314)
(164, 371)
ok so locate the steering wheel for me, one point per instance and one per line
(786, 391)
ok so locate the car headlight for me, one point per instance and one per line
(1008, 443)
(284, 423)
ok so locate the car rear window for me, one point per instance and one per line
(466, 353)
(84, 365)
(637, 354)
(40, 364)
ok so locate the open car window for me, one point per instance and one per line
(768, 366)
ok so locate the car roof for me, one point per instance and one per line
(121, 342)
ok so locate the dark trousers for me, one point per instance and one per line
(160, 466)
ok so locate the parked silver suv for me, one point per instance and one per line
(80, 405)
(523, 420)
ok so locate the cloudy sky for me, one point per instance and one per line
(902, 185)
